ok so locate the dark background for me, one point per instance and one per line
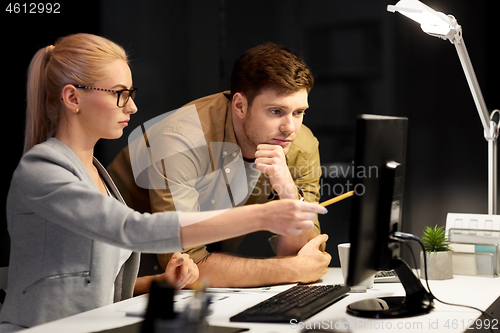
(365, 59)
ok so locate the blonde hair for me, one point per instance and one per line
(74, 59)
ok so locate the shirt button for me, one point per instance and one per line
(228, 170)
(224, 153)
(213, 202)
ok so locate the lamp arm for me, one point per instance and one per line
(474, 88)
(492, 174)
(490, 127)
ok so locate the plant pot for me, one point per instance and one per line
(439, 265)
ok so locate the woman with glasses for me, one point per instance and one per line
(74, 243)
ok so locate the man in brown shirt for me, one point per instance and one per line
(254, 133)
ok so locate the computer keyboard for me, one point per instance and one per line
(299, 302)
(386, 277)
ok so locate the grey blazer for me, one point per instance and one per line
(66, 235)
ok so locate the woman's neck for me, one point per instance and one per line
(81, 144)
(84, 149)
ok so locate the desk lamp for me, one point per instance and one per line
(446, 27)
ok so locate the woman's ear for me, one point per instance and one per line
(239, 105)
(71, 98)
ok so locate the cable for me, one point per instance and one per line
(402, 237)
(437, 299)
(409, 237)
(412, 255)
(492, 115)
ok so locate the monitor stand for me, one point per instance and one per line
(416, 302)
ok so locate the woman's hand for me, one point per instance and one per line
(289, 217)
(180, 271)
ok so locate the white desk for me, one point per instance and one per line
(480, 292)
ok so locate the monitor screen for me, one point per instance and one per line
(379, 184)
(376, 216)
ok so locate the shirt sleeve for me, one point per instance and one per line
(174, 181)
(49, 186)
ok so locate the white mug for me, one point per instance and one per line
(344, 249)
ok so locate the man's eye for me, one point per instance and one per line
(299, 113)
(275, 111)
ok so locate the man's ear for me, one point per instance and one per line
(70, 97)
(239, 105)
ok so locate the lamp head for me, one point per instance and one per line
(432, 23)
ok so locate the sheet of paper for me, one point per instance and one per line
(224, 299)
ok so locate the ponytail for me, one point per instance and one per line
(75, 59)
(37, 120)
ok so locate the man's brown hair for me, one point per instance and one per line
(270, 66)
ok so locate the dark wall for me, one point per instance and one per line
(366, 60)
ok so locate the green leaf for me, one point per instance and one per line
(434, 239)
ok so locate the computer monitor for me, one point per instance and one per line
(377, 210)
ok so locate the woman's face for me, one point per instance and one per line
(100, 115)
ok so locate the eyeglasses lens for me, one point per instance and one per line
(125, 95)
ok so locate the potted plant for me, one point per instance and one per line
(438, 254)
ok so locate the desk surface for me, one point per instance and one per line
(479, 292)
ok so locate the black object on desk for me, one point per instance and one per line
(160, 316)
(160, 306)
(136, 328)
(299, 302)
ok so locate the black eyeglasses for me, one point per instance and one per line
(123, 95)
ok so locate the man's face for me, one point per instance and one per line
(274, 119)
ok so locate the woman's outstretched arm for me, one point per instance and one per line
(284, 217)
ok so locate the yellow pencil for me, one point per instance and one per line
(336, 199)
